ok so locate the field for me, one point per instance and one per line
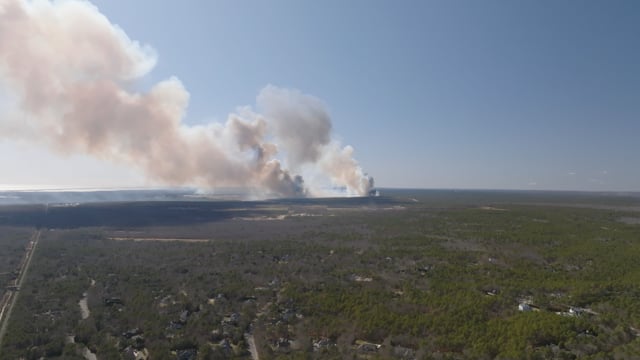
(413, 274)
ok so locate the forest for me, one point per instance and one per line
(410, 275)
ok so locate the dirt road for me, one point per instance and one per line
(10, 298)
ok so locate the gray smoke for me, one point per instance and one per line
(68, 73)
(300, 123)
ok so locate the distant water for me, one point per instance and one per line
(70, 197)
(17, 195)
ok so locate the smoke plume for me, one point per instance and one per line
(69, 75)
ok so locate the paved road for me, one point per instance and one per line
(11, 296)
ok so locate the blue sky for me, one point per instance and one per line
(431, 94)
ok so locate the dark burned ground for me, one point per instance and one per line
(170, 213)
(414, 274)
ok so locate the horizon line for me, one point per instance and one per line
(51, 188)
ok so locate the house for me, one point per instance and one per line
(368, 347)
(574, 311)
(131, 333)
(322, 343)
(187, 354)
(404, 352)
(281, 344)
(184, 316)
(113, 301)
(524, 307)
(492, 292)
(232, 319)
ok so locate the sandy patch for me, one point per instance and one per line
(630, 220)
(491, 208)
(158, 239)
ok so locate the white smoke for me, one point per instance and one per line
(69, 73)
(300, 123)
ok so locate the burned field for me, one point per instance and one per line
(414, 274)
